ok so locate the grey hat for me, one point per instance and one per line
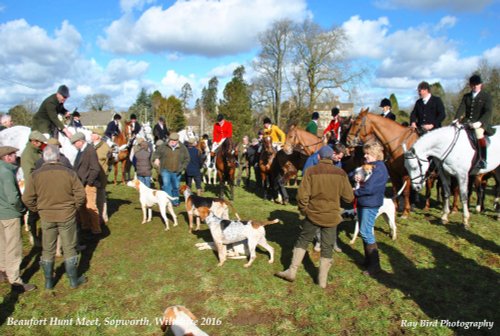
(159, 142)
(173, 136)
(191, 140)
(5, 150)
(77, 136)
(326, 152)
(38, 136)
(63, 91)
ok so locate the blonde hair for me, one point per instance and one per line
(375, 149)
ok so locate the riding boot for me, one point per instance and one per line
(324, 267)
(366, 262)
(291, 272)
(48, 269)
(373, 260)
(482, 153)
(71, 265)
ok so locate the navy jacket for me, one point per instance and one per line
(371, 193)
(430, 113)
(194, 165)
(112, 129)
(389, 115)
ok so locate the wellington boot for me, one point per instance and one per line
(324, 267)
(291, 272)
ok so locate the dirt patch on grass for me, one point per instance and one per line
(253, 317)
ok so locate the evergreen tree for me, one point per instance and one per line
(394, 104)
(142, 107)
(236, 104)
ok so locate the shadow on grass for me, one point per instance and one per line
(285, 235)
(115, 204)
(454, 288)
(30, 266)
(473, 238)
(8, 305)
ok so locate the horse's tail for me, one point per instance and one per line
(230, 205)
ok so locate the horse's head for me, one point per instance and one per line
(416, 167)
(291, 140)
(360, 128)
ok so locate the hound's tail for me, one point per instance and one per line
(230, 205)
(257, 224)
(400, 190)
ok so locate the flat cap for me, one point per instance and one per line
(37, 135)
(5, 150)
(173, 136)
(326, 152)
(63, 91)
(77, 136)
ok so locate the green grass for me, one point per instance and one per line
(432, 272)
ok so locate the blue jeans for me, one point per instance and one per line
(145, 179)
(366, 217)
(171, 184)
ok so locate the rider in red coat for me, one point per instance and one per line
(222, 129)
(334, 124)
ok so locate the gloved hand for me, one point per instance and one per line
(475, 125)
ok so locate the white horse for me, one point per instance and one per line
(450, 147)
(185, 134)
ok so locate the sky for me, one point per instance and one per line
(118, 47)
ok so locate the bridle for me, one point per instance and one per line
(302, 147)
(412, 155)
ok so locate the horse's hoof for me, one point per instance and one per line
(444, 220)
(404, 216)
(338, 250)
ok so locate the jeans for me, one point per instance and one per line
(145, 179)
(171, 184)
(366, 217)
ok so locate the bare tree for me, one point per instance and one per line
(320, 56)
(272, 60)
(98, 102)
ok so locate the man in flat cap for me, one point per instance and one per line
(172, 160)
(31, 154)
(46, 119)
(476, 112)
(87, 168)
(11, 211)
(56, 192)
(323, 187)
(104, 155)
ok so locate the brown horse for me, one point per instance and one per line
(265, 161)
(123, 155)
(226, 164)
(301, 140)
(392, 136)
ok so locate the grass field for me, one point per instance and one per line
(433, 272)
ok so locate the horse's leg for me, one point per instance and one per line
(445, 181)
(221, 183)
(115, 166)
(231, 184)
(463, 182)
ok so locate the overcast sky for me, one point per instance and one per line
(118, 47)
